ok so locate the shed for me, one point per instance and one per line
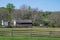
(23, 23)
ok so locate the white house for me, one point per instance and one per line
(4, 23)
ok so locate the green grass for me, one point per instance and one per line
(28, 38)
(35, 29)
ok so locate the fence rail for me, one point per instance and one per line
(29, 33)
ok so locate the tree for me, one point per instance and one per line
(10, 7)
(54, 19)
(25, 12)
(43, 17)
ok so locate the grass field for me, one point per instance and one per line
(28, 38)
(37, 29)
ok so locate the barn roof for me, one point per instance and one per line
(23, 20)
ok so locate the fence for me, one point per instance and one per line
(28, 33)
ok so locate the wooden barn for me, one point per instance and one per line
(22, 23)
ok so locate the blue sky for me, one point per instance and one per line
(45, 5)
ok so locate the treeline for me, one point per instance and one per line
(38, 17)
